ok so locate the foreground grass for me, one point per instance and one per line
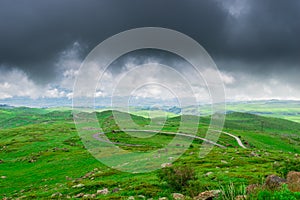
(39, 160)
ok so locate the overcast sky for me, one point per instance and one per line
(255, 43)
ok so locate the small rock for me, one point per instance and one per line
(166, 165)
(293, 181)
(208, 174)
(241, 197)
(141, 197)
(208, 195)
(224, 162)
(87, 196)
(79, 195)
(171, 158)
(57, 194)
(177, 196)
(3, 177)
(253, 188)
(253, 154)
(87, 175)
(163, 198)
(274, 182)
(104, 191)
(115, 190)
(78, 185)
(131, 198)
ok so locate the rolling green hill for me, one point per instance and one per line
(41, 155)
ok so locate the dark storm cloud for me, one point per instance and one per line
(34, 33)
(265, 37)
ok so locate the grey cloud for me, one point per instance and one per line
(257, 37)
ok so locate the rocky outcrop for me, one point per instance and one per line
(208, 195)
(178, 196)
(274, 182)
(166, 165)
(293, 181)
(104, 191)
(253, 188)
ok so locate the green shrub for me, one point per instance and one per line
(177, 178)
(283, 194)
(285, 167)
(230, 191)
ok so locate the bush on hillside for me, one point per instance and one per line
(285, 167)
(177, 178)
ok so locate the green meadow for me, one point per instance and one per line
(42, 155)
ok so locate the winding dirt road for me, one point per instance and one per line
(97, 137)
(240, 143)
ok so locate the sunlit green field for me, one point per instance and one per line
(41, 154)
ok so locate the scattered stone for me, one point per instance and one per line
(177, 196)
(115, 190)
(224, 162)
(141, 196)
(89, 196)
(207, 195)
(171, 158)
(266, 154)
(208, 174)
(253, 188)
(78, 185)
(87, 175)
(131, 198)
(166, 165)
(241, 197)
(276, 164)
(79, 195)
(253, 154)
(293, 181)
(274, 182)
(3, 177)
(32, 161)
(104, 191)
(57, 194)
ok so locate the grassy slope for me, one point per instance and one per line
(289, 110)
(39, 155)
